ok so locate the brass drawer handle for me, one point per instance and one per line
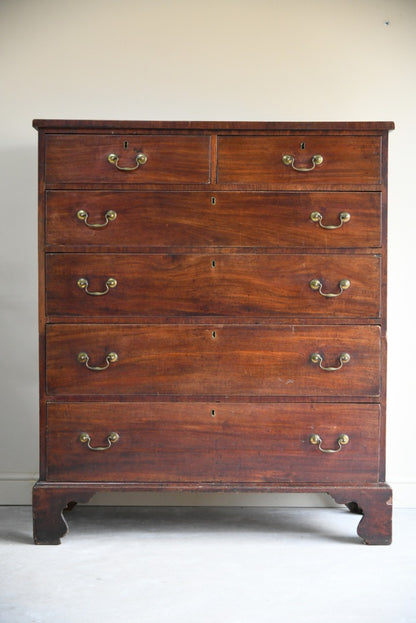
(344, 217)
(84, 358)
(289, 160)
(317, 441)
(344, 284)
(111, 438)
(110, 215)
(140, 159)
(83, 284)
(343, 358)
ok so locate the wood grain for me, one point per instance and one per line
(170, 159)
(209, 442)
(213, 318)
(213, 360)
(191, 219)
(347, 160)
(213, 285)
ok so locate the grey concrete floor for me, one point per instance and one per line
(206, 565)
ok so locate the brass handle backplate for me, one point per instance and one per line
(140, 160)
(289, 160)
(84, 358)
(344, 284)
(344, 217)
(343, 359)
(83, 284)
(111, 438)
(317, 441)
(110, 215)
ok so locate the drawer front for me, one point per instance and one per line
(200, 219)
(213, 360)
(84, 159)
(202, 442)
(254, 159)
(216, 285)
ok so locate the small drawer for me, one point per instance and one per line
(211, 442)
(280, 285)
(346, 160)
(213, 360)
(203, 219)
(74, 159)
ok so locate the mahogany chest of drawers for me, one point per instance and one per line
(212, 312)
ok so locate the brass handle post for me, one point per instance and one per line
(111, 438)
(315, 284)
(140, 160)
(344, 217)
(318, 359)
(82, 283)
(84, 358)
(341, 441)
(289, 160)
(110, 215)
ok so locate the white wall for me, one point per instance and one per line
(196, 59)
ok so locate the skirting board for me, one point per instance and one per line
(16, 490)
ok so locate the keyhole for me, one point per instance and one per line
(126, 144)
(213, 264)
(214, 335)
(213, 201)
(213, 413)
(302, 145)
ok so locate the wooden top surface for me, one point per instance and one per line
(74, 124)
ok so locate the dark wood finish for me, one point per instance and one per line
(236, 219)
(347, 159)
(170, 159)
(212, 360)
(207, 442)
(288, 127)
(50, 500)
(213, 285)
(376, 506)
(49, 523)
(213, 318)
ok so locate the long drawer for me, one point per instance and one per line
(200, 219)
(203, 442)
(220, 285)
(212, 360)
(85, 159)
(260, 159)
